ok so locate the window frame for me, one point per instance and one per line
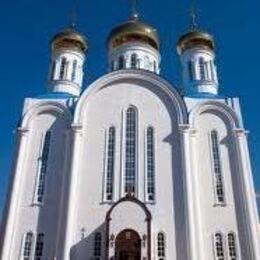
(97, 247)
(164, 257)
(215, 249)
(236, 246)
(22, 257)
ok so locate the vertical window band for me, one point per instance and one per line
(27, 246)
(218, 178)
(97, 246)
(63, 68)
(130, 151)
(202, 69)
(150, 167)
(232, 248)
(161, 246)
(134, 61)
(43, 167)
(219, 247)
(110, 163)
(74, 70)
(39, 247)
(190, 69)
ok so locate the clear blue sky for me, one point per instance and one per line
(27, 26)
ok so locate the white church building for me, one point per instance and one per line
(130, 167)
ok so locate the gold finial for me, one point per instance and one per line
(134, 12)
(193, 19)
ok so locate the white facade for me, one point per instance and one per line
(130, 169)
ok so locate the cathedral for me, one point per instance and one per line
(130, 167)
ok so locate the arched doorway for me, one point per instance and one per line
(128, 245)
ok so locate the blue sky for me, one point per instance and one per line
(27, 26)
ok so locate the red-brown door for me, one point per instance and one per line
(128, 245)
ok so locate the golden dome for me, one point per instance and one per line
(195, 38)
(134, 30)
(69, 39)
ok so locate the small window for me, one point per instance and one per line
(190, 69)
(134, 61)
(74, 70)
(39, 247)
(161, 246)
(232, 249)
(63, 68)
(121, 62)
(219, 248)
(218, 178)
(212, 70)
(97, 246)
(202, 69)
(110, 163)
(43, 167)
(150, 167)
(27, 246)
(53, 70)
(130, 150)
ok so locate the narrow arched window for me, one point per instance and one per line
(53, 70)
(150, 167)
(27, 246)
(202, 69)
(39, 247)
(63, 68)
(218, 178)
(43, 162)
(161, 246)
(110, 163)
(97, 246)
(121, 62)
(74, 70)
(130, 150)
(232, 248)
(219, 247)
(134, 61)
(212, 70)
(190, 70)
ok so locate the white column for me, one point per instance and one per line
(193, 229)
(72, 191)
(15, 193)
(248, 192)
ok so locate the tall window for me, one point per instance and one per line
(74, 70)
(161, 246)
(27, 246)
(134, 61)
(39, 247)
(190, 69)
(63, 68)
(97, 246)
(219, 247)
(110, 163)
(202, 69)
(232, 250)
(212, 68)
(130, 150)
(121, 62)
(218, 178)
(53, 69)
(150, 164)
(43, 167)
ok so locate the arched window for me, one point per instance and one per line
(121, 62)
(218, 178)
(53, 70)
(97, 246)
(202, 69)
(130, 150)
(27, 246)
(219, 247)
(150, 167)
(190, 69)
(74, 70)
(63, 68)
(43, 167)
(134, 61)
(154, 66)
(110, 163)
(232, 249)
(39, 247)
(212, 70)
(161, 246)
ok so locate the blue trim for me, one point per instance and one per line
(205, 95)
(56, 95)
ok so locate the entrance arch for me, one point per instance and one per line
(128, 245)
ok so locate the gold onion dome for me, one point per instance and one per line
(132, 31)
(195, 38)
(69, 39)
